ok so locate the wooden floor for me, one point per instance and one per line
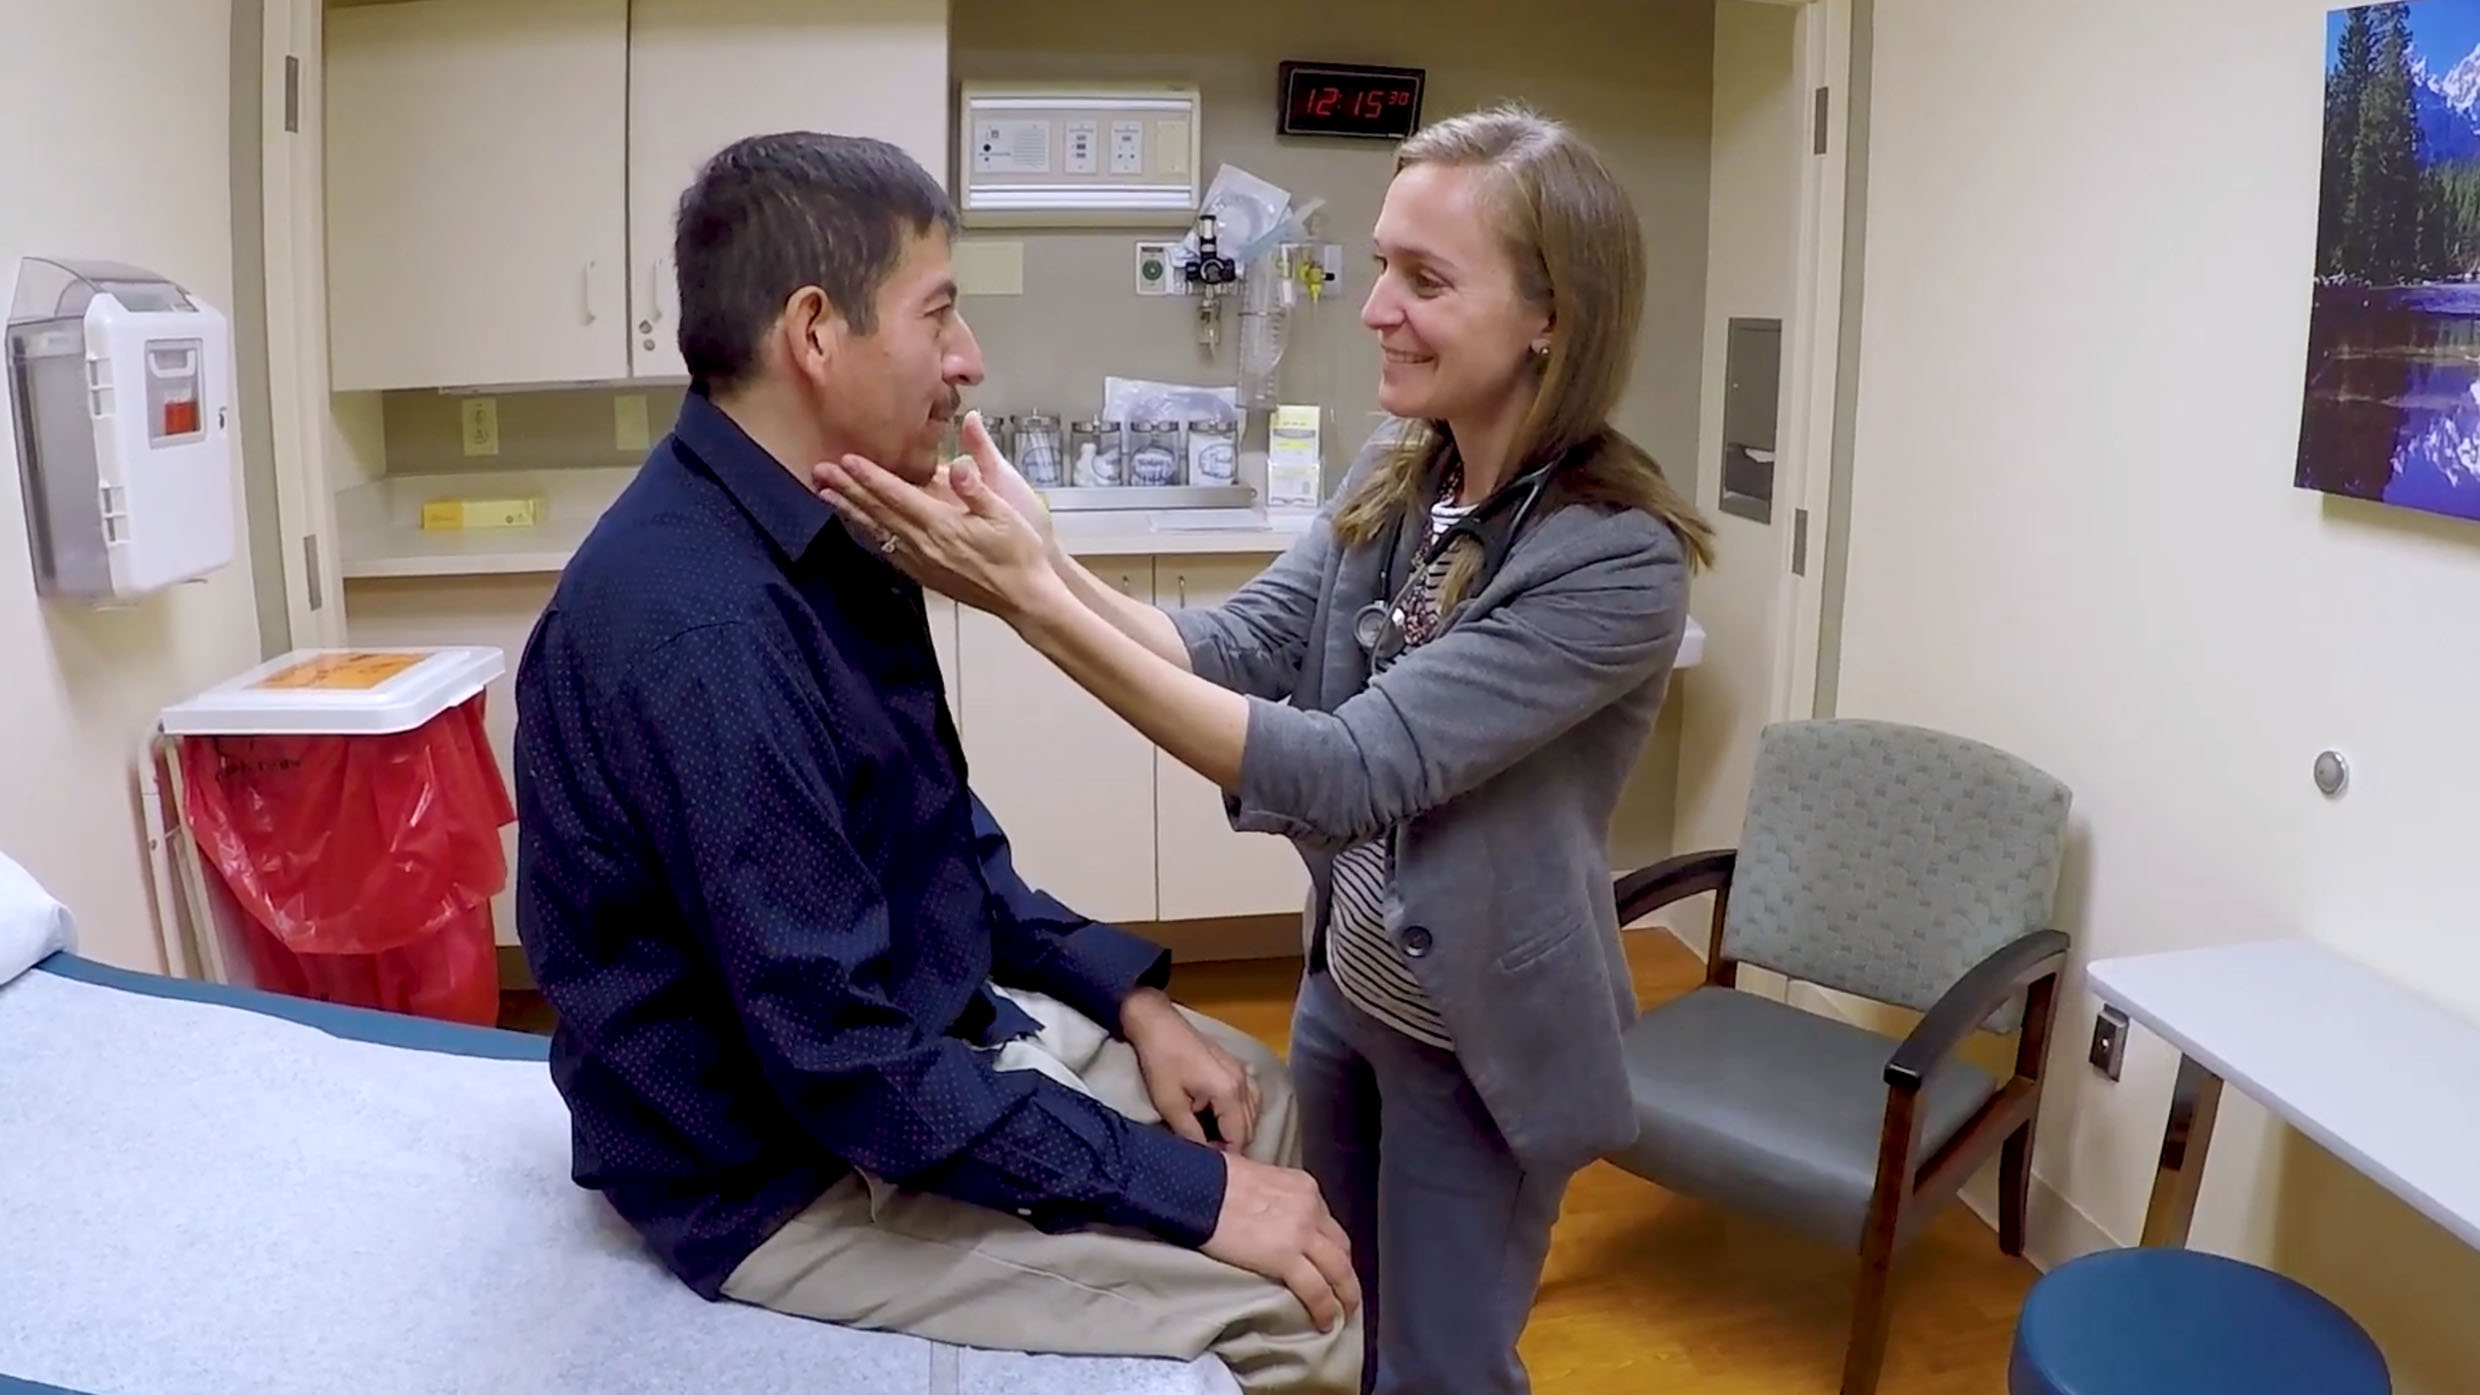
(1648, 1294)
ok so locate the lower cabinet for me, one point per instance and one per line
(1072, 784)
(1097, 816)
(495, 610)
(1206, 869)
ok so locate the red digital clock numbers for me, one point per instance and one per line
(1363, 105)
(1333, 99)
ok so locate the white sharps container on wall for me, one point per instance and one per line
(120, 388)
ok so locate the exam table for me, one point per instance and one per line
(210, 1189)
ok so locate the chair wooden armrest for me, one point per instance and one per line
(1648, 889)
(1978, 994)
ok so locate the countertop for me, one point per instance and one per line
(378, 525)
(381, 535)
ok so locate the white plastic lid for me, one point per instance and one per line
(339, 692)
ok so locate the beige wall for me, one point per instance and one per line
(139, 173)
(2073, 533)
(1751, 243)
(1634, 77)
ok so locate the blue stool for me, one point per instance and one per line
(2160, 1321)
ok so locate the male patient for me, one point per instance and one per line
(821, 1045)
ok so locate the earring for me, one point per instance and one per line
(1541, 351)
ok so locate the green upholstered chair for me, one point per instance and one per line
(1898, 864)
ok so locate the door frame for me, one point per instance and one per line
(1812, 368)
(294, 254)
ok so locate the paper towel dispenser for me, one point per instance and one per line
(120, 388)
(1751, 392)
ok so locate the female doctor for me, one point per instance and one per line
(1436, 693)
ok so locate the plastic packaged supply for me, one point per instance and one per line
(1293, 459)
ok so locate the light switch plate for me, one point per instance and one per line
(480, 425)
(629, 430)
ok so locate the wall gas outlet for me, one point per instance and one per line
(1158, 273)
(2109, 1042)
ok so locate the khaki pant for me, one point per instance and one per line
(871, 1256)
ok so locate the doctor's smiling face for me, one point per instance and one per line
(1456, 329)
(818, 300)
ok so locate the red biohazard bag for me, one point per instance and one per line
(365, 865)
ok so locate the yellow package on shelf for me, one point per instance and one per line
(452, 515)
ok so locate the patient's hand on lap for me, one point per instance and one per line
(1276, 1224)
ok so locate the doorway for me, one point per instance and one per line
(1773, 321)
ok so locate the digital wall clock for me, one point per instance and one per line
(1350, 99)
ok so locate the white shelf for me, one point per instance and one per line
(2370, 1069)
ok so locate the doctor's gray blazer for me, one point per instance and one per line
(1494, 756)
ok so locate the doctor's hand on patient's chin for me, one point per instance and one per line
(957, 535)
(993, 469)
(1275, 1224)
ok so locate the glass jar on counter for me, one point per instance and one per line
(1213, 453)
(1154, 453)
(1095, 449)
(1002, 429)
(1038, 452)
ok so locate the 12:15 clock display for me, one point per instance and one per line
(1350, 99)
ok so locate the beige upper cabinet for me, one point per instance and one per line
(501, 176)
(476, 187)
(704, 73)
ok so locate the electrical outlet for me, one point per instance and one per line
(481, 425)
(2109, 1042)
(628, 422)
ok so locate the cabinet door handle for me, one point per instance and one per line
(654, 284)
(1180, 583)
(589, 290)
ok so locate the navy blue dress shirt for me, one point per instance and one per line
(766, 908)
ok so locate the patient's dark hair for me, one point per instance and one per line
(771, 214)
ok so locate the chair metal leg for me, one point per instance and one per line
(2195, 1100)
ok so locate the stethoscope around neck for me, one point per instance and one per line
(1493, 523)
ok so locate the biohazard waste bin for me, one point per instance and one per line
(349, 803)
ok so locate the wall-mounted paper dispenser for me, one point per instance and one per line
(120, 386)
(1751, 389)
